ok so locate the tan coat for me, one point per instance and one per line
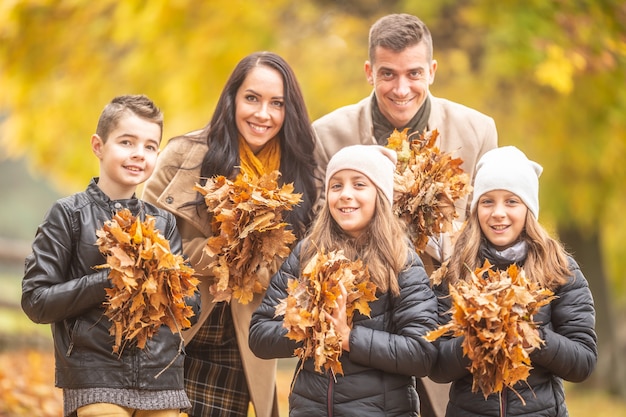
(171, 185)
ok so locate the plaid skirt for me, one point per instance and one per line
(214, 378)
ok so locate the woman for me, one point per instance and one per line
(260, 125)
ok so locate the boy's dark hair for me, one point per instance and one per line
(138, 104)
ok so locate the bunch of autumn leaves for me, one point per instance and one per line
(493, 312)
(427, 183)
(149, 282)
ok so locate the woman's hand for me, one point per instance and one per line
(339, 318)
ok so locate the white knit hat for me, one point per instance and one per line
(374, 161)
(508, 168)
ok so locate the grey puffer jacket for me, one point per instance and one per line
(570, 353)
(61, 287)
(387, 351)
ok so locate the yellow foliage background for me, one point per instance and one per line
(552, 74)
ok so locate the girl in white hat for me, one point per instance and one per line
(503, 229)
(384, 352)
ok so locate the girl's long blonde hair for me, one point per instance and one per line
(546, 262)
(383, 247)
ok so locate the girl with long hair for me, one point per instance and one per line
(382, 352)
(503, 229)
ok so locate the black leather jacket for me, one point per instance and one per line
(61, 287)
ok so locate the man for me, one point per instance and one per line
(401, 69)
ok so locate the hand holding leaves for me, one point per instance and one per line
(314, 299)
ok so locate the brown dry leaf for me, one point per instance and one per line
(149, 282)
(427, 183)
(250, 237)
(311, 300)
(494, 311)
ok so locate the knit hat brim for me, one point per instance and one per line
(376, 162)
(508, 168)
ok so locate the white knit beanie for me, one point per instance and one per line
(374, 161)
(508, 168)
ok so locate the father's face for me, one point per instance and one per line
(401, 81)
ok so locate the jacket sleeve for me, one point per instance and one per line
(165, 169)
(401, 349)
(49, 293)
(451, 364)
(267, 338)
(570, 351)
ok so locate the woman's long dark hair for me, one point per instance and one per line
(296, 136)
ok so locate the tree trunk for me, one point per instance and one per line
(610, 373)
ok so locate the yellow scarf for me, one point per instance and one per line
(265, 162)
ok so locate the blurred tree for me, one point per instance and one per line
(62, 61)
(551, 73)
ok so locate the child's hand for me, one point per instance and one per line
(530, 347)
(339, 319)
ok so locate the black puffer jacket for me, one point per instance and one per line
(570, 353)
(61, 287)
(386, 351)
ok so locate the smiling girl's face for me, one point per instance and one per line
(502, 217)
(351, 200)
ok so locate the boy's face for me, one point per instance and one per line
(128, 156)
(401, 81)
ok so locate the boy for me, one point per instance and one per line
(61, 286)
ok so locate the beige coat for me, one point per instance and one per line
(171, 185)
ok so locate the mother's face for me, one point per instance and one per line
(260, 107)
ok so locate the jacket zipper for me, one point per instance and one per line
(330, 394)
(71, 339)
